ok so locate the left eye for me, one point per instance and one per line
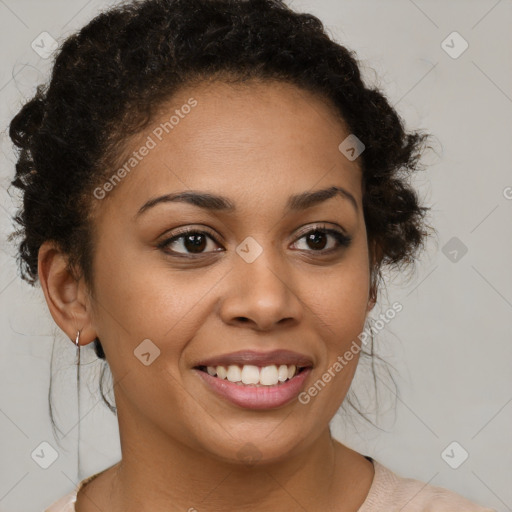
(196, 241)
(318, 235)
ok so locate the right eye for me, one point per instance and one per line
(192, 240)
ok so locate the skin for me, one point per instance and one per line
(257, 144)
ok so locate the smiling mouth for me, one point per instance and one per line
(251, 375)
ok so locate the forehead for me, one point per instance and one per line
(268, 117)
(256, 139)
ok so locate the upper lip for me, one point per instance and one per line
(256, 358)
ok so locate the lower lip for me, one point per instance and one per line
(256, 397)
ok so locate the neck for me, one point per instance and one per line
(164, 472)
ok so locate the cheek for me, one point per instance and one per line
(139, 302)
(338, 312)
(339, 298)
(139, 299)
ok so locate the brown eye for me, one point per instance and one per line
(189, 241)
(317, 239)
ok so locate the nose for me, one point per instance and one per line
(262, 295)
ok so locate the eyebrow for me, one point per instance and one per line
(214, 202)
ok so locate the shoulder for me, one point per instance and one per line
(67, 502)
(64, 504)
(389, 491)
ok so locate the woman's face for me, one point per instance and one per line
(256, 282)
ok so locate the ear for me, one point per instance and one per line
(66, 297)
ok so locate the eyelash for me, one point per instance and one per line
(343, 241)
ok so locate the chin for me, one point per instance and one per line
(250, 448)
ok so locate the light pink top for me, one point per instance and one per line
(388, 492)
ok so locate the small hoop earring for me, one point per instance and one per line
(77, 343)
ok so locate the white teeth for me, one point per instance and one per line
(283, 373)
(222, 373)
(234, 373)
(251, 374)
(269, 375)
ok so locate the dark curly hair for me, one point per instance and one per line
(110, 78)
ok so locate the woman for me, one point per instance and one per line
(210, 194)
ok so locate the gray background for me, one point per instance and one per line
(451, 344)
